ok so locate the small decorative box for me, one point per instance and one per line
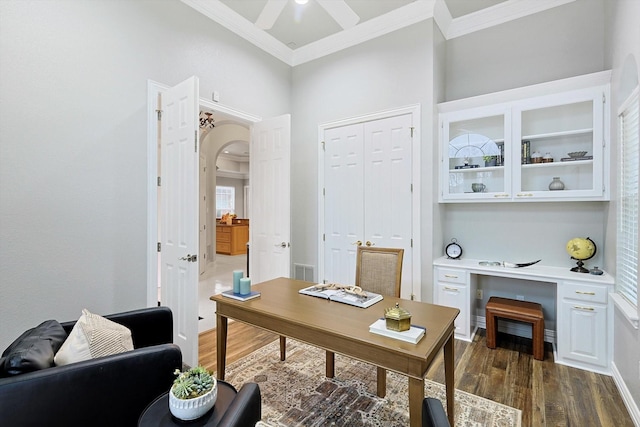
(397, 318)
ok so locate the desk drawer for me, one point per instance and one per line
(585, 292)
(452, 276)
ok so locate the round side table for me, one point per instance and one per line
(157, 414)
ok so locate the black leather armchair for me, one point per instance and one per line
(433, 414)
(107, 391)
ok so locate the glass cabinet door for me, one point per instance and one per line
(560, 153)
(475, 155)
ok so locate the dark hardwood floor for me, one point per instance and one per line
(547, 393)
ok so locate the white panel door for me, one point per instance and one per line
(270, 230)
(387, 189)
(368, 199)
(344, 199)
(179, 213)
(202, 208)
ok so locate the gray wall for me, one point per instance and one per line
(391, 71)
(73, 142)
(562, 42)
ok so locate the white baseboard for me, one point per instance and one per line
(631, 405)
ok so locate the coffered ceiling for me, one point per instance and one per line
(298, 33)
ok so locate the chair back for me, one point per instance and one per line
(379, 270)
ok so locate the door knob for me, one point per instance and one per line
(281, 245)
(369, 243)
(189, 258)
(357, 243)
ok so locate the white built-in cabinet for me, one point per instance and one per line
(584, 312)
(455, 288)
(512, 150)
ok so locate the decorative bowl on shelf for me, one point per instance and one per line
(576, 154)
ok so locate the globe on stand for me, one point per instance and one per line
(581, 249)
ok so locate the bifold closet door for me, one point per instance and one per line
(367, 193)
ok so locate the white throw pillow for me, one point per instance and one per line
(93, 336)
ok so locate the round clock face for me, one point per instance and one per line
(453, 250)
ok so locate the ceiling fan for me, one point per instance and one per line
(337, 9)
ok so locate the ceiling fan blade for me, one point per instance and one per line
(341, 12)
(270, 13)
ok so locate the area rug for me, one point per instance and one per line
(297, 393)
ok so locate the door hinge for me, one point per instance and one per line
(323, 237)
(195, 140)
(159, 246)
(604, 98)
(159, 181)
(411, 242)
(324, 191)
(159, 112)
(411, 188)
(323, 147)
(413, 297)
(412, 128)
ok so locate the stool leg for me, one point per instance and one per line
(538, 339)
(491, 330)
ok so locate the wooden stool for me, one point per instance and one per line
(524, 311)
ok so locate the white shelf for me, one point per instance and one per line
(557, 164)
(558, 134)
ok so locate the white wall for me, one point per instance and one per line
(391, 71)
(623, 57)
(73, 162)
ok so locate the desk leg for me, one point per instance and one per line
(416, 394)
(330, 368)
(381, 380)
(449, 371)
(221, 344)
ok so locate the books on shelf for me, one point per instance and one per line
(342, 294)
(413, 335)
(240, 297)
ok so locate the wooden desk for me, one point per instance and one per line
(282, 310)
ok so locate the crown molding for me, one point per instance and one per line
(410, 14)
(231, 174)
(237, 24)
(376, 27)
(498, 14)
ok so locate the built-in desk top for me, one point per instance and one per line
(536, 272)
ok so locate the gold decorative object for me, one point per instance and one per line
(397, 318)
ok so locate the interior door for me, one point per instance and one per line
(179, 213)
(344, 199)
(368, 194)
(270, 230)
(387, 189)
(202, 209)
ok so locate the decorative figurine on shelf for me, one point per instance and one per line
(397, 318)
(581, 249)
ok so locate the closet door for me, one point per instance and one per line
(344, 201)
(387, 188)
(367, 194)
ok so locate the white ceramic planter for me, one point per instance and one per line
(190, 409)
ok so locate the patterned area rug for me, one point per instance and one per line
(296, 392)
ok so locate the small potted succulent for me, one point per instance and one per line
(193, 393)
(490, 160)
